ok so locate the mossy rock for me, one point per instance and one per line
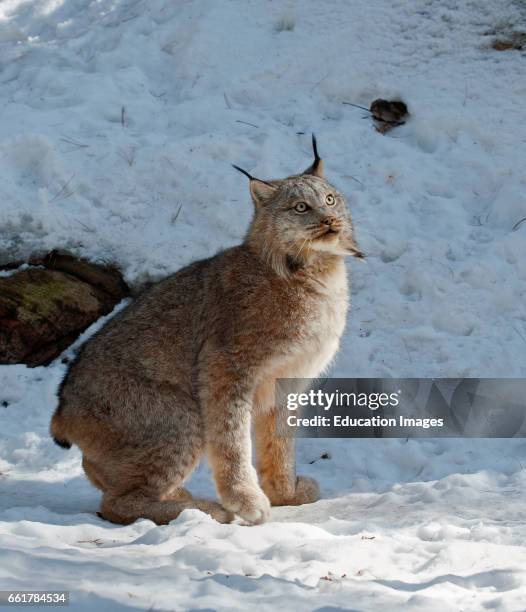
(43, 310)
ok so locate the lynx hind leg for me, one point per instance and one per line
(276, 464)
(149, 484)
(161, 498)
(125, 509)
(93, 474)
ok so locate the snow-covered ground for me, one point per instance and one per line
(119, 120)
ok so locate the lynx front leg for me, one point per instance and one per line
(276, 464)
(227, 415)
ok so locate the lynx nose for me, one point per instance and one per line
(329, 221)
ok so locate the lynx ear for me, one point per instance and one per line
(316, 169)
(259, 190)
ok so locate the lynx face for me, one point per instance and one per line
(304, 213)
(298, 217)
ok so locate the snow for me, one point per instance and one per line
(119, 122)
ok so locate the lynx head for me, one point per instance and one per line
(300, 219)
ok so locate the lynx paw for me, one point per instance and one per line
(250, 503)
(307, 491)
(219, 513)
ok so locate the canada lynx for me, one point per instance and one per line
(190, 366)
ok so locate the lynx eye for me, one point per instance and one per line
(301, 207)
(330, 200)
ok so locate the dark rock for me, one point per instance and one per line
(389, 111)
(107, 277)
(514, 41)
(44, 309)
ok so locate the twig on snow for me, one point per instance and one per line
(64, 190)
(516, 226)
(128, 155)
(246, 123)
(174, 218)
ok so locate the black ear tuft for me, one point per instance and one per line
(316, 169)
(317, 158)
(243, 172)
